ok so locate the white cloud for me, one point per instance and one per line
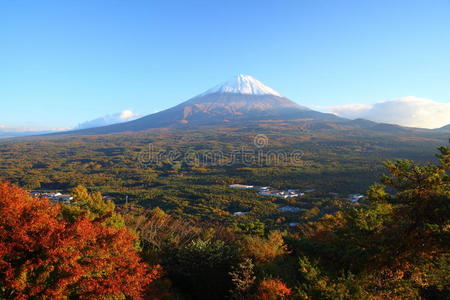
(123, 116)
(4, 128)
(9, 132)
(127, 114)
(407, 111)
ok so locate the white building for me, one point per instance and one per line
(240, 213)
(64, 198)
(355, 197)
(53, 196)
(280, 194)
(264, 188)
(275, 193)
(241, 186)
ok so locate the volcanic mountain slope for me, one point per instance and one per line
(240, 99)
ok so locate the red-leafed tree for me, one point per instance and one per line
(272, 289)
(44, 256)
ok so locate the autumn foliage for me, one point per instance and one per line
(393, 244)
(264, 250)
(44, 256)
(272, 289)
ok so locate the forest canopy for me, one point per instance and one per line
(392, 245)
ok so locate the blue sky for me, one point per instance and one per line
(65, 62)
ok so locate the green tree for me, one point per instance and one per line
(243, 278)
(316, 284)
(396, 244)
(93, 207)
(201, 268)
(414, 241)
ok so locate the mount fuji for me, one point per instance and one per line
(240, 99)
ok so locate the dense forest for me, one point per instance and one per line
(393, 245)
(153, 216)
(187, 172)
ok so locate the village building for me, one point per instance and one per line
(355, 197)
(267, 191)
(280, 194)
(57, 196)
(241, 186)
(240, 213)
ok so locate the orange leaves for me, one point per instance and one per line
(110, 261)
(42, 255)
(272, 289)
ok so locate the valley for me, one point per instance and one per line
(182, 177)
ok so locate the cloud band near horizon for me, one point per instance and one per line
(407, 111)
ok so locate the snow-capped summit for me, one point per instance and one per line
(243, 84)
